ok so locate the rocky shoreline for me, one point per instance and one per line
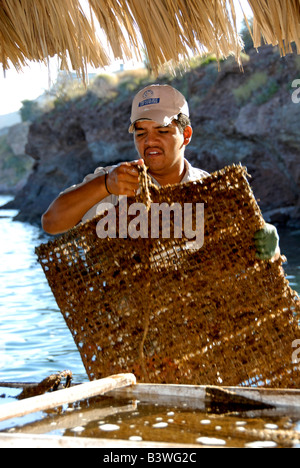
(246, 117)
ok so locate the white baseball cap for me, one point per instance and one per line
(161, 103)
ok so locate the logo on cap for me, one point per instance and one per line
(148, 93)
(148, 102)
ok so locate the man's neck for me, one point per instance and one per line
(174, 177)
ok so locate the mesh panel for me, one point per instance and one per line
(215, 315)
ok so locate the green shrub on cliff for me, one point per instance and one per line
(30, 110)
(12, 168)
(244, 92)
(259, 87)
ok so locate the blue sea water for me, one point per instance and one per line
(34, 339)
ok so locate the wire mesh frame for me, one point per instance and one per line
(215, 315)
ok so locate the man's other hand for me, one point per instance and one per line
(266, 241)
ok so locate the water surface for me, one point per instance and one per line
(34, 339)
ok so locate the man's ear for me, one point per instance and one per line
(187, 134)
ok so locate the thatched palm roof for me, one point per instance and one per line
(165, 29)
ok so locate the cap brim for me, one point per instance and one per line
(162, 120)
(132, 126)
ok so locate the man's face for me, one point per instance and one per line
(162, 148)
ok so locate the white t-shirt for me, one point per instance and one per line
(191, 174)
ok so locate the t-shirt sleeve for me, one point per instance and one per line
(99, 171)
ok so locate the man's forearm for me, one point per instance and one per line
(68, 209)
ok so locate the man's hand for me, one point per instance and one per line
(124, 179)
(266, 241)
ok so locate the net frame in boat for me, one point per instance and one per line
(215, 315)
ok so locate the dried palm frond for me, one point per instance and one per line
(167, 30)
(31, 30)
(276, 22)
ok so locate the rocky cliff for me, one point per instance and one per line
(15, 165)
(238, 116)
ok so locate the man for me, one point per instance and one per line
(162, 130)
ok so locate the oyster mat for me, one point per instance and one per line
(214, 315)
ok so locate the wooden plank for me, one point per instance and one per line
(68, 420)
(65, 396)
(173, 390)
(273, 397)
(40, 441)
(118, 386)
